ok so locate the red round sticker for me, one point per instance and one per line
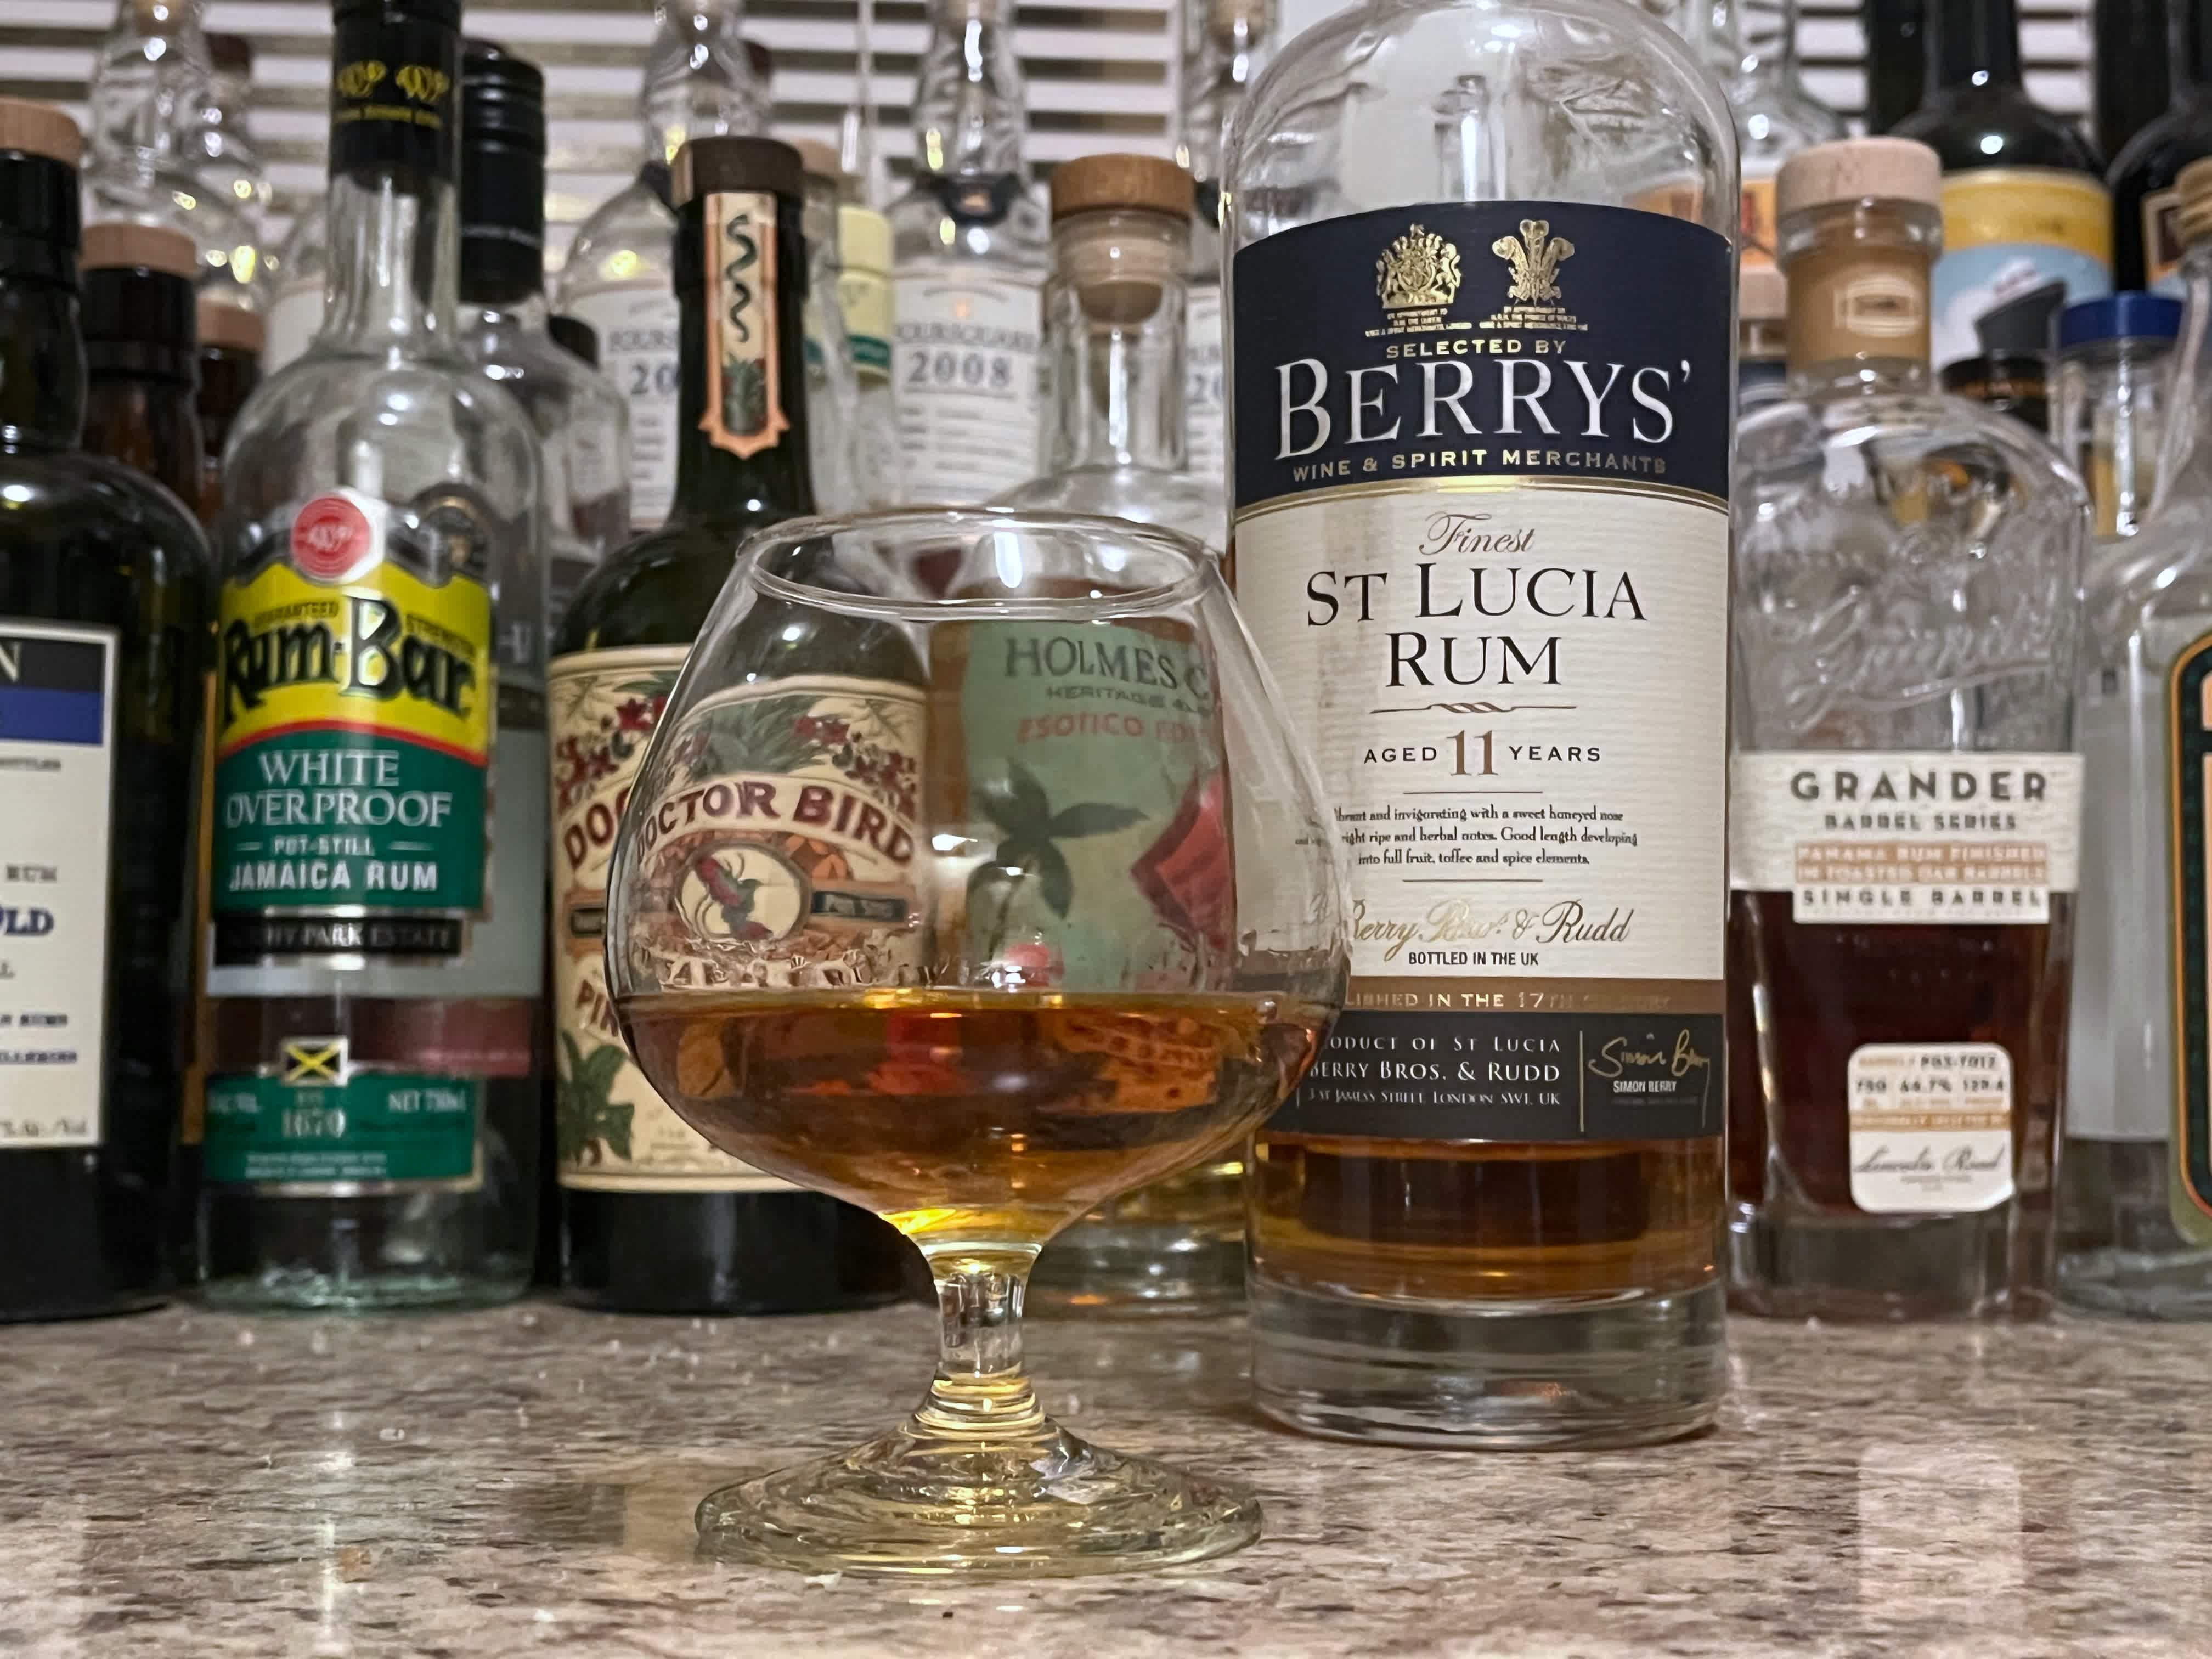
(330, 536)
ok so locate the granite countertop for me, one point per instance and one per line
(521, 1481)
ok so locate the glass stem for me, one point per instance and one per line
(980, 1391)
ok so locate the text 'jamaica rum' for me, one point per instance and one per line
(654, 1219)
(1481, 535)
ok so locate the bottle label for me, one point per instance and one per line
(744, 381)
(1861, 837)
(2162, 245)
(2189, 806)
(966, 369)
(2020, 245)
(56, 794)
(613, 1132)
(639, 327)
(1482, 539)
(315, 1122)
(353, 733)
(1093, 755)
(1758, 226)
(1930, 1127)
(293, 321)
(1204, 414)
(865, 297)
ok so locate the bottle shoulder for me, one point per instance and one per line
(1144, 494)
(658, 588)
(1973, 129)
(61, 502)
(2154, 158)
(552, 384)
(627, 241)
(925, 233)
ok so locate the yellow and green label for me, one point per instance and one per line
(354, 731)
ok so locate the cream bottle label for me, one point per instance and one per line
(1930, 1127)
(965, 375)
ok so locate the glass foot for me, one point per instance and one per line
(1041, 1506)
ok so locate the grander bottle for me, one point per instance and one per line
(378, 880)
(654, 1219)
(104, 614)
(1481, 537)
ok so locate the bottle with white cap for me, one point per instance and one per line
(1905, 803)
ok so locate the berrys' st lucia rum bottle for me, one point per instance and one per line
(1481, 363)
(654, 1219)
(379, 873)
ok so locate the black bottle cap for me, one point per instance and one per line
(395, 92)
(502, 193)
(705, 165)
(139, 315)
(39, 216)
(576, 336)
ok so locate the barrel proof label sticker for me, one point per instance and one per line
(313, 1120)
(353, 736)
(1857, 838)
(1482, 539)
(1930, 1127)
(612, 1132)
(56, 827)
(2189, 803)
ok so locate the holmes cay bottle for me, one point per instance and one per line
(378, 867)
(654, 1219)
(1481, 537)
(1904, 807)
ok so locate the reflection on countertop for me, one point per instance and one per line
(522, 1480)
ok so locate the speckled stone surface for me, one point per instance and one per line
(521, 1482)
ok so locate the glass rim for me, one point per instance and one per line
(1200, 570)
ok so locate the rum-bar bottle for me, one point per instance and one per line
(1904, 807)
(104, 613)
(1481, 537)
(654, 1219)
(378, 882)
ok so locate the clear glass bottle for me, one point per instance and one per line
(969, 250)
(1227, 49)
(700, 78)
(2137, 1221)
(832, 383)
(503, 320)
(1904, 804)
(2112, 388)
(1447, 216)
(222, 152)
(153, 83)
(379, 869)
(864, 292)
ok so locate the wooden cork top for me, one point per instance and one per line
(1854, 169)
(118, 243)
(1146, 183)
(231, 327)
(39, 129)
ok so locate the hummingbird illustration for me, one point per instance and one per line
(734, 894)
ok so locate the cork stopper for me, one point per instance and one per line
(1147, 183)
(819, 160)
(231, 327)
(117, 244)
(39, 129)
(1854, 169)
(735, 162)
(1762, 295)
(2194, 186)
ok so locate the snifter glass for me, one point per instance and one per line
(974, 877)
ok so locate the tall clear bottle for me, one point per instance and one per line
(700, 78)
(1481, 535)
(969, 250)
(503, 322)
(1904, 804)
(2138, 1177)
(224, 153)
(833, 387)
(379, 872)
(1225, 52)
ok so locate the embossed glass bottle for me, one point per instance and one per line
(969, 253)
(1904, 807)
(379, 877)
(1481, 536)
(2137, 1230)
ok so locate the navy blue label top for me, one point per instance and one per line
(1483, 338)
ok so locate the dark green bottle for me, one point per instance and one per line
(653, 1218)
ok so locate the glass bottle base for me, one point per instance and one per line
(1527, 1376)
(314, 1292)
(910, 1504)
(1987, 1264)
(2174, 1285)
(1137, 1270)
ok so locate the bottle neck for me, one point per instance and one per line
(42, 372)
(1114, 342)
(1858, 316)
(1719, 35)
(698, 81)
(2184, 458)
(149, 423)
(151, 86)
(2188, 24)
(1973, 43)
(394, 263)
(969, 107)
(1216, 78)
(741, 409)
